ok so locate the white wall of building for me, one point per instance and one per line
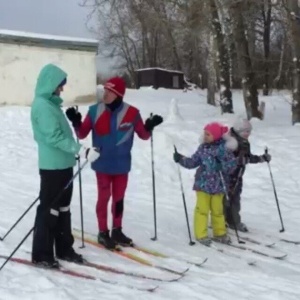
(21, 64)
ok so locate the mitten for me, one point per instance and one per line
(74, 116)
(152, 122)
(266, 157)
(177, 157)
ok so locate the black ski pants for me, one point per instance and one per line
(53, 218)
(233, 208)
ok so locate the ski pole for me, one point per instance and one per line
(55, 200)
(80, 198)
(228, 199)
(18, 221)
(153, 187)
(184, 203)
(81, 206)
(275, 193)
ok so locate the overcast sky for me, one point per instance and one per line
(62, 17)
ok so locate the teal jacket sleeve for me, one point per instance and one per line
(53, 134)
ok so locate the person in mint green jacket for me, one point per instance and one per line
(57, 151)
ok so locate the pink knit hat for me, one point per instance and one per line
(217, 130)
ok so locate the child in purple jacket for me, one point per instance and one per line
(213, 156)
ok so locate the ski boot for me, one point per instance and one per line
(72, 256)
(223, 239)
(242, 227)
(46, 264)
(205, 241)
(105, 240)
(120, 238)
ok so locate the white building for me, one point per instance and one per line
(22, 55)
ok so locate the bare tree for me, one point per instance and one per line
(293, 16)
(266, 10)
(251, 47)
(223, 59)
(237, 9)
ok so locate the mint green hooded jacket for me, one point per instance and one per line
(56, 145)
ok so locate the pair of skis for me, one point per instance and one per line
(81, 275)
(176, 275)
(92, 240)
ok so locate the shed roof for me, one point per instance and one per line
(49, 41)
(165, 70)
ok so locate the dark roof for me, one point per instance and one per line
(48, 41)
(161, 69)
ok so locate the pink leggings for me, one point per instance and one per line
(115, 186)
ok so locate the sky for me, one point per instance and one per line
(58, 17)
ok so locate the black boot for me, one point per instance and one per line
(71, 256)
(120, 238)
(47, 264)
(105, 240)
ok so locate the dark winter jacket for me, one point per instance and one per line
(244, 156)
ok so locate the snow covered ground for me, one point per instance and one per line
(223, 276)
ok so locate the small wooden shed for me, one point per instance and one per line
(159, 78)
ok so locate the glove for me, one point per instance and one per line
(152, 122)
(91, 154)
(266, 157)
(177, 156)
(74, 116)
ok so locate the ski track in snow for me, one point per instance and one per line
(222, 277)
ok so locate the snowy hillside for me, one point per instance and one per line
(225, 275)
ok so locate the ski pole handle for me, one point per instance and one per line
(266, 150)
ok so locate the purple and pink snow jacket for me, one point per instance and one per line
(210, 158)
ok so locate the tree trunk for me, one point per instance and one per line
(223, 60)
(277, 79)
(293, 15)
(266, 12)
(244, 61)
(211, 73)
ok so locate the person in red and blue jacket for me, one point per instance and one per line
(113, 123)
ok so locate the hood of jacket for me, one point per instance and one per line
(48, 81)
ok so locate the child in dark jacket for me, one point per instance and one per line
(212, 157)
(240, 131)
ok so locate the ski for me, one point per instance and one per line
(156, 253)
(72, 273)
(114, 270)
(131, 256)
(251, 262)
(245, 248)
(269, 236)
(254, 241)
(290, 241)
(126, 273)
